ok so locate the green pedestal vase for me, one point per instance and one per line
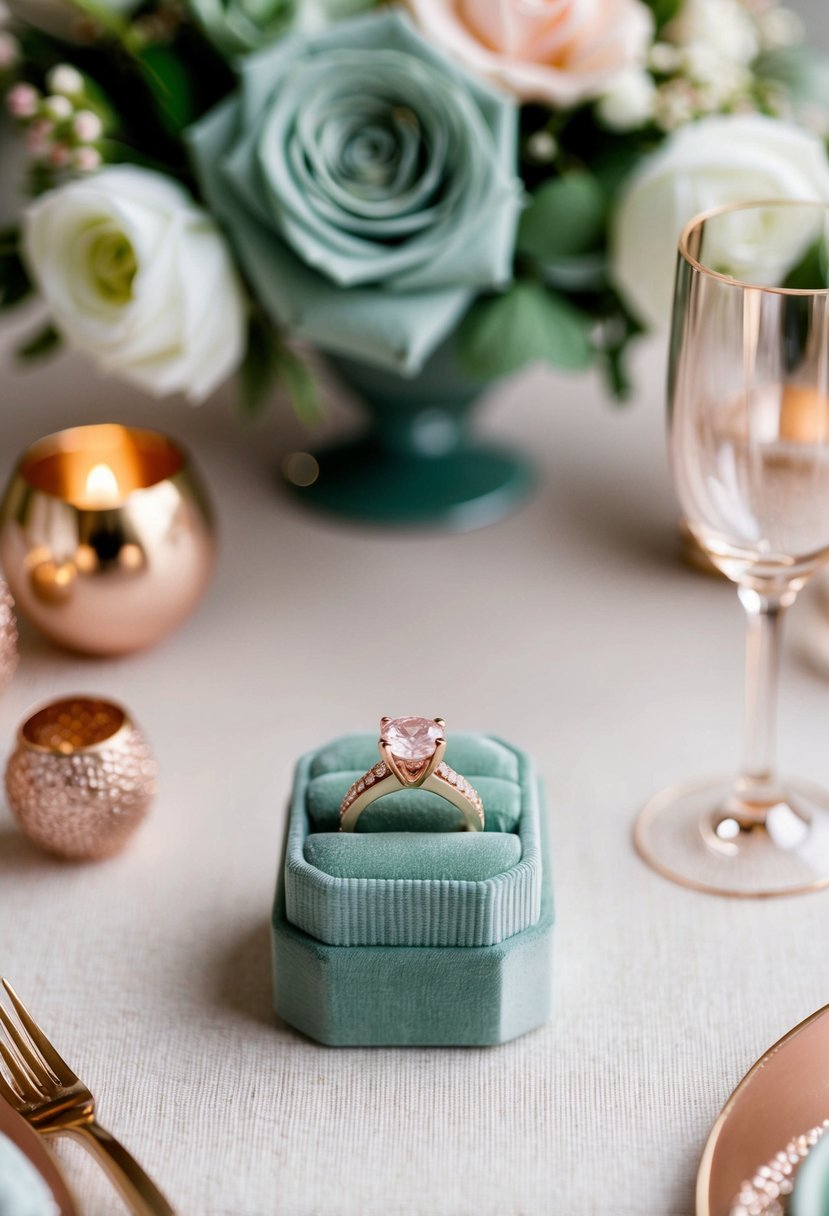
(418, 464)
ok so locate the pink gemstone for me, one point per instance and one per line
(411, 738)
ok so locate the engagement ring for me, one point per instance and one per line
(411, 751)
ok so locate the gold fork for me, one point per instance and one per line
(45, 1091)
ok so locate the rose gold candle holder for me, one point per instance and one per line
(8, 636)
(106, 537)
(81, 778)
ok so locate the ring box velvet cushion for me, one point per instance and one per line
(417, 885)
(440, 994)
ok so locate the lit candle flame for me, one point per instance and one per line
(102, 489)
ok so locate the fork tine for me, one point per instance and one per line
(59, 1067)
(10, 1049)
(35, 1063)
(19, 1077)
(8, 1094)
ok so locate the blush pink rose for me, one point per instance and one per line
(557, 52)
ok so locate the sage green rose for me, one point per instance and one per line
(236, 27)
(368, 184)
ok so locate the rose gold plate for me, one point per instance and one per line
(31, 1145)
(782, 1096)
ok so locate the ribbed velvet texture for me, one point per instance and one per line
(380, 996)
(417, 885)
(463, 856)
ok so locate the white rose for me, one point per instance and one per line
(137, 276)
(719, 160)
(64, 18)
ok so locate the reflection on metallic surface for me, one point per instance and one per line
(81, 778)
(8, 636)
(783, 1093)
(106, 537)
(34, 1147)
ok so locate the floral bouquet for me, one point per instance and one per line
(212, 179)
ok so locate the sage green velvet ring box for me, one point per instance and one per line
(408, 932)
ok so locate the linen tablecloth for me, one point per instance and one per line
(570, 628)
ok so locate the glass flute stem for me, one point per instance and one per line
(756, 785)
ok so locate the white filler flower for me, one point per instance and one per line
(726, 26)
(719, 160)
(629, 101)
(139, 277)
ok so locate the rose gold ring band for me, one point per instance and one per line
(416, 764)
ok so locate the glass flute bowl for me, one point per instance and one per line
(748, 407)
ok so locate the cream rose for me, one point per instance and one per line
(718, 160)
(139, 277)
(558, 52)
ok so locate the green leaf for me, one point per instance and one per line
(299, 382)
(268, 362)
(105, 18)
(585, 273)
(664, 10)
(617, 374)
(527, 324)
(617, 329)
(9, 239)
(169, 85)
(39, 178)
(812, 271)
(15, 284)
(257, 375)
(45, 342)
(565, 218)
(617, 162)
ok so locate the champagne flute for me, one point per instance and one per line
(748, 402)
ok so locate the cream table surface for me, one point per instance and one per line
(570, 627)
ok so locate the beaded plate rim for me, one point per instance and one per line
(773, 1083)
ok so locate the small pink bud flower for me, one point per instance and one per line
(86, 160)
(87, 126)
(58, 107)
(59, 156)
(9, 50)
(37, 137)
(65, 79)
(23, 100)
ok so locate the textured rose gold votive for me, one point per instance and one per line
(8, 636)
(81, 778)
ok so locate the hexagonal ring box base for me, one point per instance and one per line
(398, 995)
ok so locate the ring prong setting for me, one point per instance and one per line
(412, 750)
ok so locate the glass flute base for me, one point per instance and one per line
(704, 835)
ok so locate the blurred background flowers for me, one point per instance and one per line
(209, 180)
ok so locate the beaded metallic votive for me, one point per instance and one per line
(81, 778)
(8, 636)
